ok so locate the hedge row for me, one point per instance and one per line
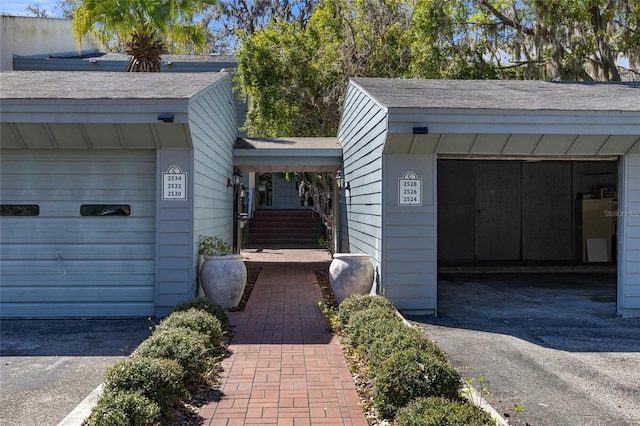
(413, 384)
(146, 388)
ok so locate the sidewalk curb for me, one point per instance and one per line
(83, 410)
(473, 397)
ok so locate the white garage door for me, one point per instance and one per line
(77, 233)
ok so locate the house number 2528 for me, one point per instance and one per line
(410, 190)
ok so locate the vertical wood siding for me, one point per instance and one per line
(629, 244)
(62, 264)
(362, 134)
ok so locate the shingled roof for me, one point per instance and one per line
(103, 85)
(503, 94)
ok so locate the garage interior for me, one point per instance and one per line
(523, 232)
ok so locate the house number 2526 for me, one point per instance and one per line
(410, 190)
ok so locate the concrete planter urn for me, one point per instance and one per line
(350, 274)
(223, 279)
(223, 275)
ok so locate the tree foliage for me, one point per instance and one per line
(289, 80)
(37, 11)
(563, 39)
(143, 28)
(66, 8)
(296, 72)
(231, 16)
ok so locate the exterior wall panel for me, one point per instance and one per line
(410, 282)
(213, 129)
(362, 134)
(212, 120)
(174, 276)
(629, 240)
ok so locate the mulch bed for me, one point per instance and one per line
(252, 277)
(322, 275)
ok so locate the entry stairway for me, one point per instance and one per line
(299, 228)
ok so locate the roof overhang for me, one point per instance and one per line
(507, 117)
(513, 132)
(89, 110)
(288, 155)
(96, 124)
(94, 135)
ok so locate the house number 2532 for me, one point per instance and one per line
(174, 184)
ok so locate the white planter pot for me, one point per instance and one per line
(223, 279)
(350, 274)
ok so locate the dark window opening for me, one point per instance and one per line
(19, 210)
(105, 210)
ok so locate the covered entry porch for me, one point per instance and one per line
(281, 204)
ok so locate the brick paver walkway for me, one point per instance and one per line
(285, 367)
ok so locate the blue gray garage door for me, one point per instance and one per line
(77, 233)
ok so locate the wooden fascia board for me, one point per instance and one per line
(122, 111)
(515, 121)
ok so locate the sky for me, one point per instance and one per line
(19, 7)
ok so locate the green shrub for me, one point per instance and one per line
(205, 304)
(436, 411)
(411, 374)
(197, 320)
(189, 348)
(398, 340)
(358, 302)
(159, 379)
(124, 408)
(366, 326)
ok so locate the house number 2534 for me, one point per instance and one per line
(174, 184)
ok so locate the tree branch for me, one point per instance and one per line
(506, 20)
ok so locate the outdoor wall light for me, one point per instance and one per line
(237, 177)
(339, 179)
(165, 118)
(420, 130)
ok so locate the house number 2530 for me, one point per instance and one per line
(174, 184)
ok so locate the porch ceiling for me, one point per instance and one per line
(287, 155)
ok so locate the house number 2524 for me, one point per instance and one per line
(410, 190)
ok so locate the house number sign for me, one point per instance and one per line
(410, 190)
(174, 184)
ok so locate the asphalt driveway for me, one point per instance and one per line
(47, 367)
(548, 342)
